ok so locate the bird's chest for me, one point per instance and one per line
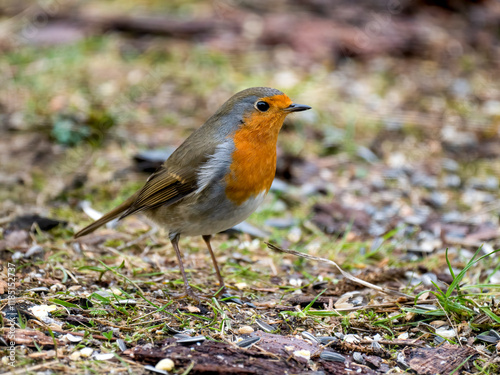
(252, 170)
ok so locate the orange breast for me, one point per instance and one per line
(254, 158)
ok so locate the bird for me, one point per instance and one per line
(217, 177)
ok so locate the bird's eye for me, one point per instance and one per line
(262, 106)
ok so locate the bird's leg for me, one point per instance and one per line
(222, 286)
(188, 291)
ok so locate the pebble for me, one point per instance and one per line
(17, 255)
(42, 311)
(306, 354)
(428, 279)
(280, 222)
(86, 352)
(75, 356)
(33, 250)
(446, 333)
(72, 338)
(294, 235)
(438, 199)
(165, 364)
(245, 330)
(366, 154)
(452, 181)
(403, 336)
(104, 356)
(57, 288)
(450, 165)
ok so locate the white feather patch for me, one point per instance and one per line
(216, 166)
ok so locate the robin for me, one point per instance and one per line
(217, 177)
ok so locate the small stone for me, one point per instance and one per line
(75, 356)
(165, 364)
(245, 330)
(16, 256)
(306, 354)
(280, 223)
(57, 288)
(450, 165)
(86, 352)
(37, 249)
(452, 181)
(294, 235)
(193, 309)
(72, 338)
(403, 336)
(104, 356)
(446, 333)
(241, 285)
(42, 311)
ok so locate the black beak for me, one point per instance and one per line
(297, 108)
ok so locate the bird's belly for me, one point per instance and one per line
(207, 214)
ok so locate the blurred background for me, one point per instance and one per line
(402, 144)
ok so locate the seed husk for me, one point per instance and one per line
(153, 369)
(329, 355)
(487, 338)
(121, 344)
(192, 340)
(248, 342)
(265, 327)
(358, 358)
(309, 336)
(324, 340)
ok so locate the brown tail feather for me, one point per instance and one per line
(113, 214)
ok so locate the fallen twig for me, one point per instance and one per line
(345, 274)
